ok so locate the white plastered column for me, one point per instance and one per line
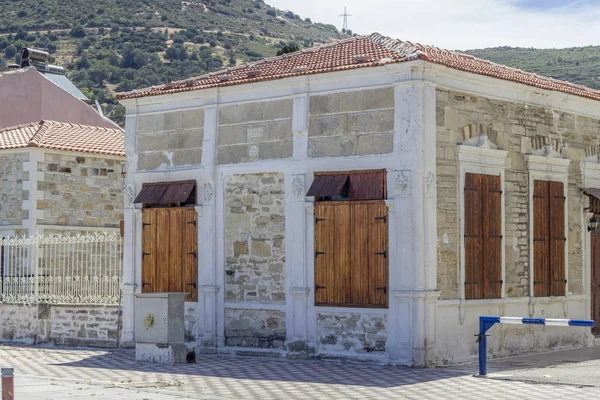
(413, 224)
(208, 282)
(132, 234)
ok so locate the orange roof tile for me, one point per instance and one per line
(64, 136)
(358, 52)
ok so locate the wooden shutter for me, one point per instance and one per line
(149, 251)
(492, 236)
(190, 253)
(332, 253)
(367, 186)
(169, 246)
(557, 239)
(369, 254)
(473, 237)
(541, 235)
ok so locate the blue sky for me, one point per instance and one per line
(464, 24)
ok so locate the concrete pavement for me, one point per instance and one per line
(57, 373)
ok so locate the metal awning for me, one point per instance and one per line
(328, 185)
(166, 192)
(592, 192)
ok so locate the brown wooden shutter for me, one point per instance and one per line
(367, 186)
(541, 235)
(190, 254)
(332, 253)
(473, 237)
(169, 251)
(149, 251)
(557, 238)
(492, 236)
(369, 254)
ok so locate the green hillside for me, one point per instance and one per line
(576, 64)
(108, 46)
(118, 45)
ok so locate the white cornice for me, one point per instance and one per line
(482, 156)
(549, 165)
(590, 170)
(439, 75)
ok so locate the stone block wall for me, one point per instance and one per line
(170, 139)
(352, 332)
(354, 123)
(514, 125)
(263, 329)
(254, 238)
(74, 325)
(255, 131)
(11, 188)
(255, 259)
(80, 191)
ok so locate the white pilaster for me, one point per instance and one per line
(413, 270)
(295, 266)
(300, 127)
(208, 286)
(31, 168)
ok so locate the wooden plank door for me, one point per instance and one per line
(190, 253)
(541, 236)
(332, 253)
(473, 237)
(557, 238)
(369, 254)
(492, 237)
(149, 251)
(169, 251)
(595, 292)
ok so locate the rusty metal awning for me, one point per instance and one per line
(166, 192)
(328, 185)
(592, 192)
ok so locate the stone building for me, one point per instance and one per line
(369, 198)
(56, 176)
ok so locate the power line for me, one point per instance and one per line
(345, 15)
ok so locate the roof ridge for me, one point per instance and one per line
(38, 136)
(20, 126)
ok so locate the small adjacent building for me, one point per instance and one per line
(368, 199)
(61, 161)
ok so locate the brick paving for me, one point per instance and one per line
(112, 374)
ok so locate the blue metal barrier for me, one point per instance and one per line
(486, 322)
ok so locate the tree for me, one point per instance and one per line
(272, 13)
(77, 31)
(10, 51)
(288, 48)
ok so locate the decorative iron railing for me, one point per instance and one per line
(61, 268)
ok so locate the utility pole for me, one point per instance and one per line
(345, 15)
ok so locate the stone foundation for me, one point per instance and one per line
(71, 325)
(351, 332)
(263, 329)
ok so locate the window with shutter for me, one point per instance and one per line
(169, 251)
(483, 236)
(351, 242)
(549, 239)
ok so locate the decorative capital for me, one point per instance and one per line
(402, 187)
(129, 196)
(208, 190)
(298, 187)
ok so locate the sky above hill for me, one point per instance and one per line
(463, 24)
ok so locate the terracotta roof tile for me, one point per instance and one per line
(64, 136)
(359, 52)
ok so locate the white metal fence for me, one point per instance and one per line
(61, 268)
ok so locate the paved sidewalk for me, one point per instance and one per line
(57, 373)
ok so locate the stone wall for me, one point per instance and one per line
(254, 238)
(354, 123)
(263, 329)
(80, 191)
(170, 139)
(72, 325)
(351, 332)
(11, 188)
(255, 131)
(514, 125)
